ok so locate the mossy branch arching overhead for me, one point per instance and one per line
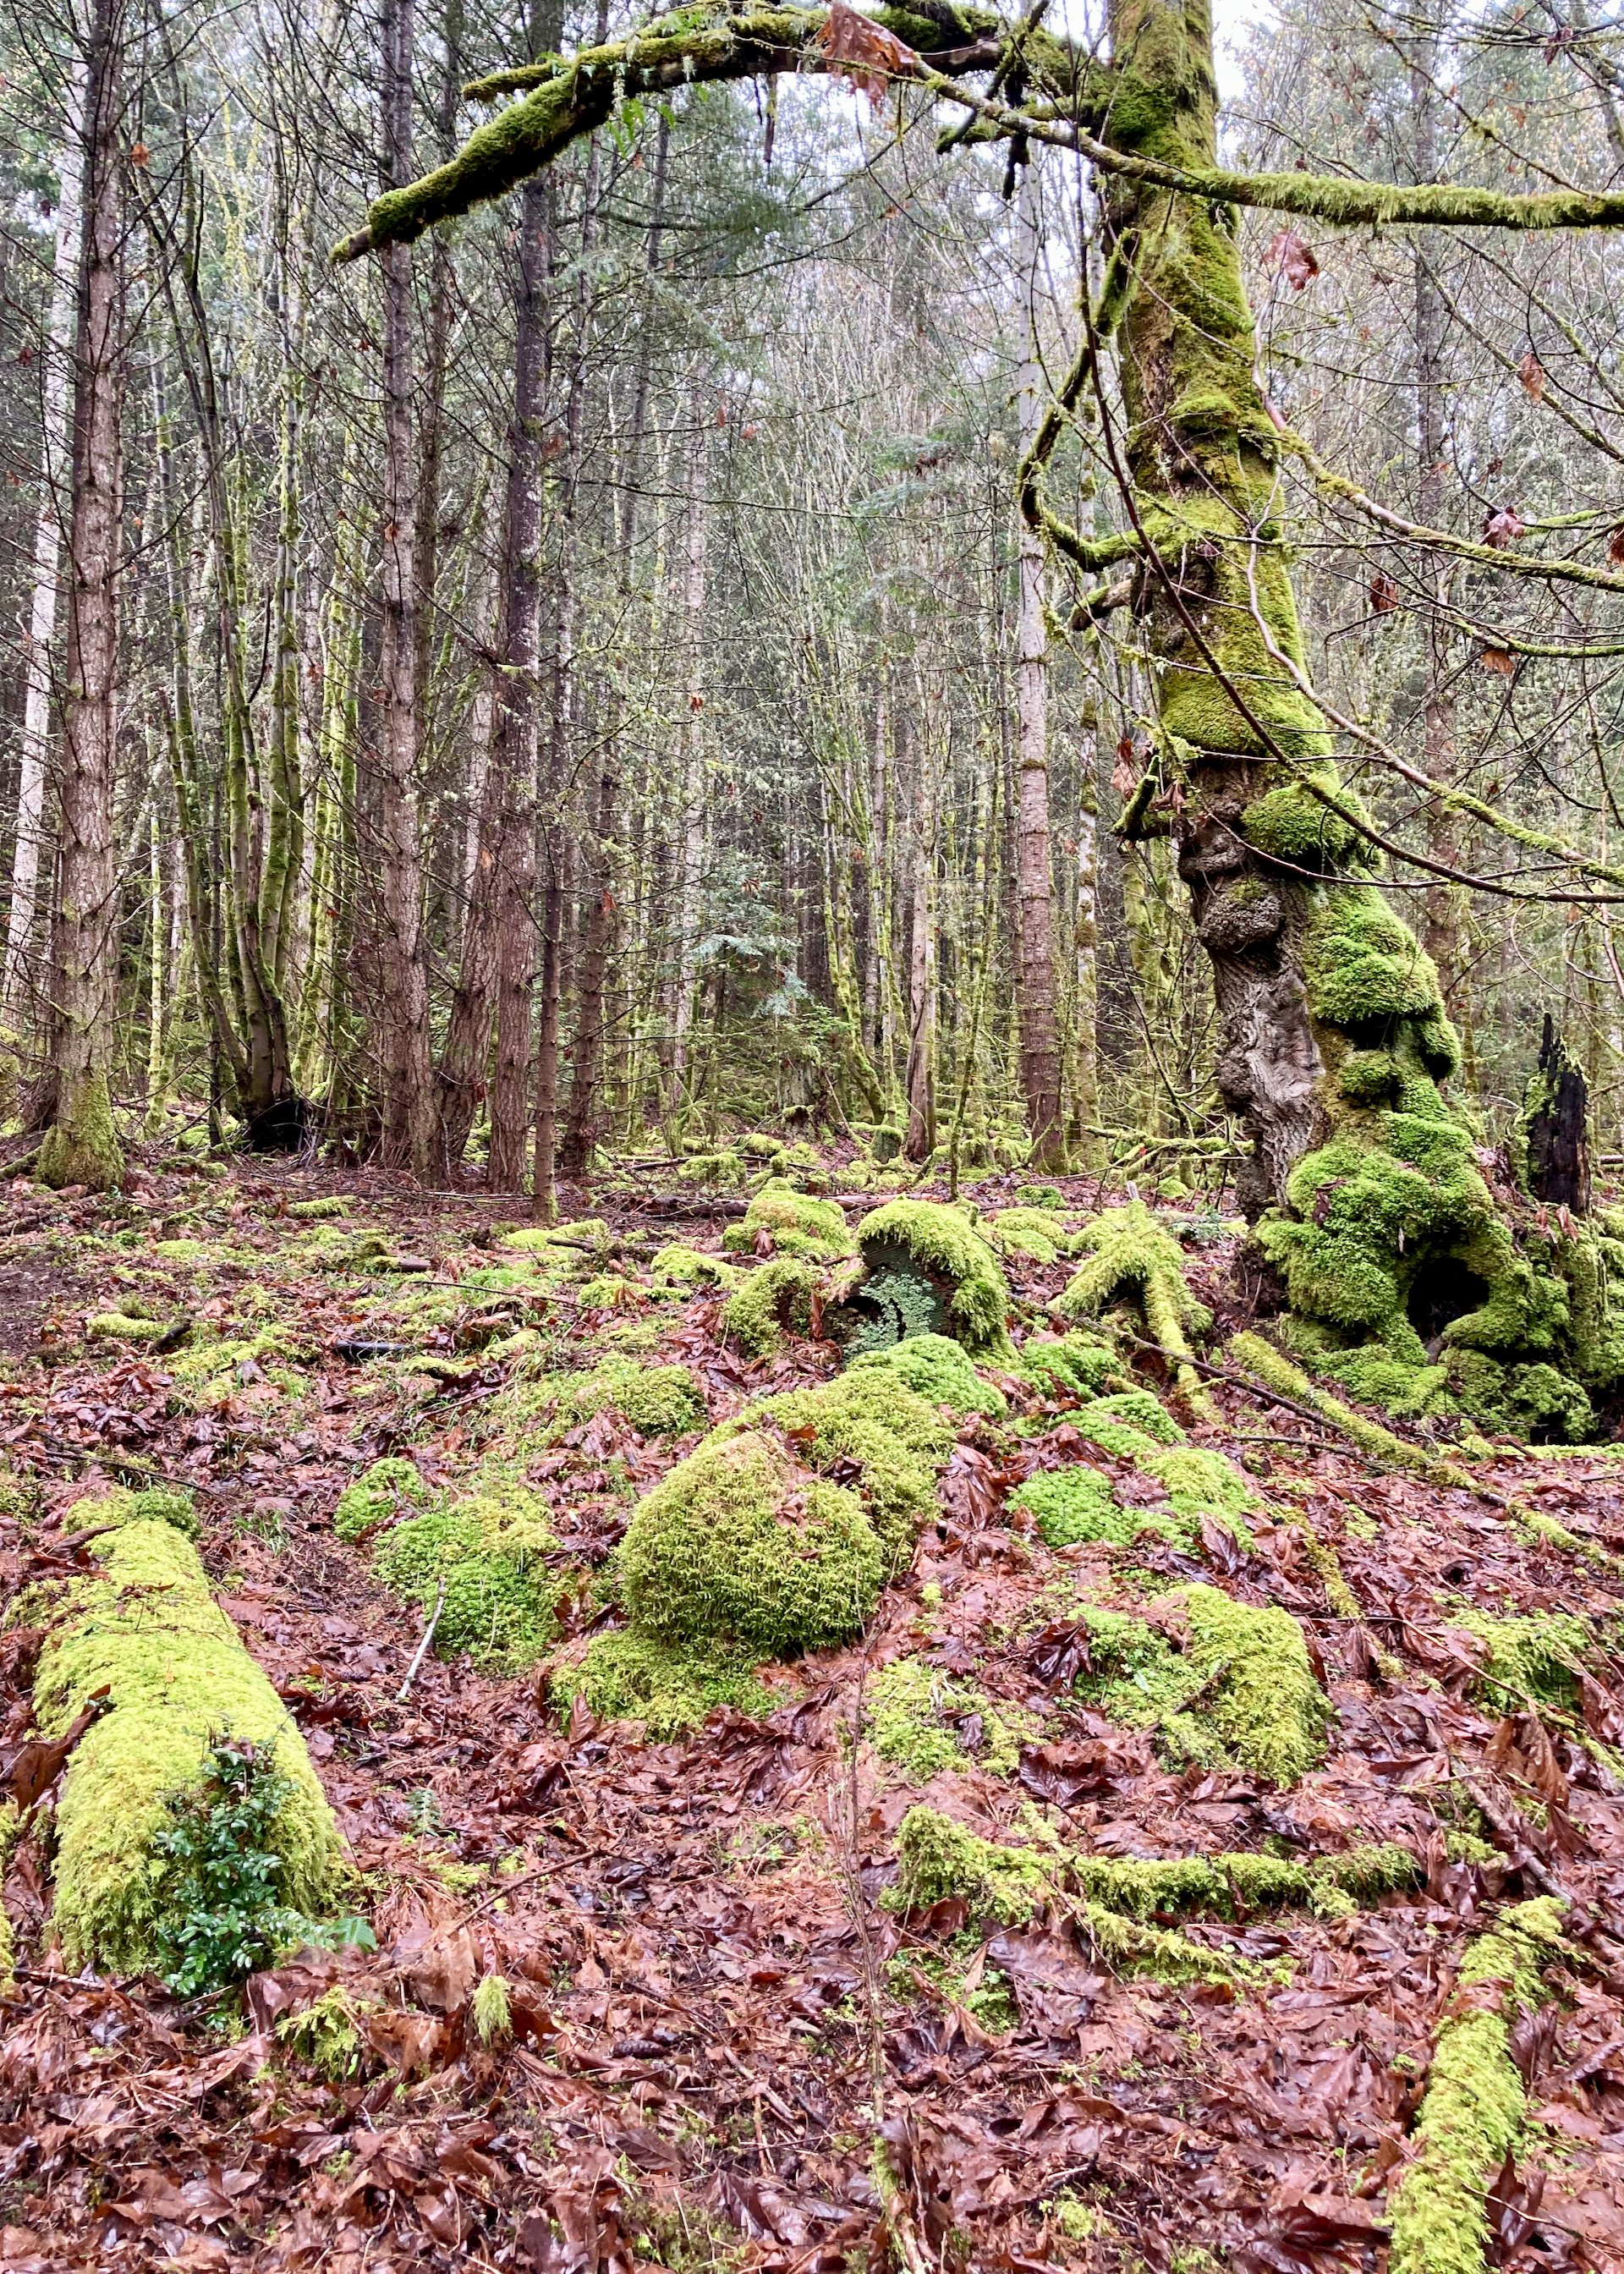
(1069, 93)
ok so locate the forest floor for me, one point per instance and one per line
(713, 2010)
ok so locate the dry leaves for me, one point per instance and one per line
(1291, 256)
(863, 53)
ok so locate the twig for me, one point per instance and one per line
(423, 1647)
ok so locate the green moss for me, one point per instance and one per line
(937, 1368)
(943, 1243)
(925, 1720)
(690, 1268)
(1277, 1373)
(492, 2010)
(1375, 1377)
(737, 1544)
(658, 1401)
(1030, 1232)
(1049, 1197)
(183, 1251)
(1288, 824)
(491, 1552)
(1536, 1657)
(867, 1420)
(776, 1300)
(1364, 966)
(939, 1861)
(1124, 1422)
(724, 1171)
(796, 1223)
(81, 1146)
(582, 1246)
(1236, 1686)
(324, 1204)
(119, 1327)
(1472, 2115)
(146, 1628)
(1076, 1505)
(325, 2034)
(1133, 1259)
(163, 1504)
(1070, 1363)
(1231, 1885)
(669, 1687)
(376, 1497)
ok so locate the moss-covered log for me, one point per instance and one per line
(145, 1631)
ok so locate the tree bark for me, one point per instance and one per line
(1039, 1037)
(690, 752)
(409, 1094)
(55, 477)
(80, 1145)
(921, 1077)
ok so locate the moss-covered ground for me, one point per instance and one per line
(1154, 1785)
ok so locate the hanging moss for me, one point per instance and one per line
(942, 1244)
(737, 1545)
(926, 1720)
(775, 1300)
(377, 1496)
(796, 1223)
(146, 1628)
(491, 1554)
(937, 1368)
(668, 1687)
(1134, 1259)
(1472, 2115)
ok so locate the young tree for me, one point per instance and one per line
(80, 1145)
(1335, 1038)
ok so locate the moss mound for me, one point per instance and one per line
(668, 1687)
(658, 1401)
(1536, 1659)
(1129, 1423)
(377, 1496)
(1472, 2116)
(867, 1420)
(686, 1268)
(489, 1554)
(1218, 1681)
(1135, 1260)
(795, 1222)
(937, 1368)
(957, 1283)
(775, 1300)
(146, 1629)
(1070, 1364)
(739, 1545)
(1077, 1505)
(1033, 1233)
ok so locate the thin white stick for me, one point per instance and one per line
(423, 1647)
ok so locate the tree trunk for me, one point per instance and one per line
(920, 838)
(57, 365)
(408, 1096)
(81, 1146)
(689, 785)
(1039, 1037)
(512, 756)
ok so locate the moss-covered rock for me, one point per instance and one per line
(1472, 2116)
(1135, 1260)
(937, 1368)
(943, 1251)
(868, 1421)
(669, 1687)
(144, 1627)
(925, 1720)
(1533, 1659)
(774, 1300)
(738, 1544)
(795, 1222)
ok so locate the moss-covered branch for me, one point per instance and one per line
(568, 97)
